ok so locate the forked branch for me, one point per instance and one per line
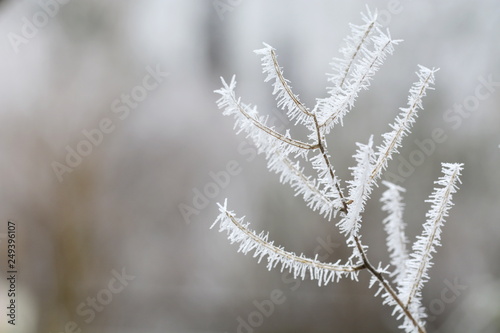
(297, 110)
(366, 50)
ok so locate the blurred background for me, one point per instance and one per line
(113, 152)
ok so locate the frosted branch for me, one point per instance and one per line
(365, 50)
(404, 120)
(238, 232)
(422, 250)
(331, 110)
(296, 110)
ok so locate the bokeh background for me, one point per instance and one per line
(119, 209)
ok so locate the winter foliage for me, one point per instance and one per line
(400, 283)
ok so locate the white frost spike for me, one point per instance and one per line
(395, 228)
(296, 110)
(238, 232)
(404, 120)
(420, 259)
(359, 190)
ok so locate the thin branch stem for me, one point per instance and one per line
(386, 285)
(366, 263)
(303, 109)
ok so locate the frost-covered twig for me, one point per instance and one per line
(238, 232)
(282, 89)
(354, 45)
(355, 70)
(279, 150)
(325, 200)
(420, 259)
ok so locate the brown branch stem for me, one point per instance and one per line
(322, 148)
(386, 285)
